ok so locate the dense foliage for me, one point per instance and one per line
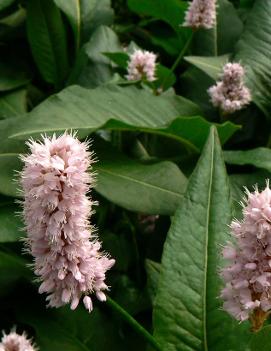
(171, 166)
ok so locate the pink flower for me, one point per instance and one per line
(142, 66)
(230, 94)
(247, 292)
(67, 258)
(16, 342)
(201, 14)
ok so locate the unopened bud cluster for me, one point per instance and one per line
(230, 93)
(142, 66)
(201, 14)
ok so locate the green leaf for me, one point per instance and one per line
(150, 189)
(10, 224)
(170, 11)
(9, 164)
(153, 270)
(259, 157)
(261, 340)
(47, 38)
(210, 65)
(186, 313)
(198, 93)
(13, 104)
(98, 69)
(119, 108)
(95, 13)
(72, 10)
(222, 38)
(5, 3)
(253, 50)
(119, 58)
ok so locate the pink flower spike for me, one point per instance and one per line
(141, 66)
(247, 276)
(55, 180)
(230, 93)
(201, 14)
(16, 342)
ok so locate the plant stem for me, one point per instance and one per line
(133, 323)
(178, 59)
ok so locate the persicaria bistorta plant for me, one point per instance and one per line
(230, 94)
(16, 342)
(247, 294)
(141, 66)
(67, 259)
(201, 14)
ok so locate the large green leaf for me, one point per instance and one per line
(114, 107)
(5, 3)
(253, 50)
(186, 314)
(221, 39)
(10, 223)
(210, 65)
(259, 157)
(47, 38)
(72, 10)
(170, 11)
(96, 69)
(13, 104)
(150, 189)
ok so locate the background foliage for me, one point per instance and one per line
(165, 193)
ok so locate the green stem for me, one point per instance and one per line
(179, 58)
(133, 323)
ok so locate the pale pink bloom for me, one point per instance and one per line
(55, 180)
(201, 14)
(230, 94)
(141, 66)
(248, 273)
(16, 342)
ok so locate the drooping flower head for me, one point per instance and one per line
(141, 66)
(67, 259)
(16, 342)
(201, 14)
(247, 276)
(230, 93)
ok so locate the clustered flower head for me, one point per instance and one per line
(230, 94)
(67, 258)
(141, 66)
(248, 274)
(201, 14)
(16, 342)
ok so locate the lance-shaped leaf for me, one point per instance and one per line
(187, 313)
(253, 50)
(47, 38)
